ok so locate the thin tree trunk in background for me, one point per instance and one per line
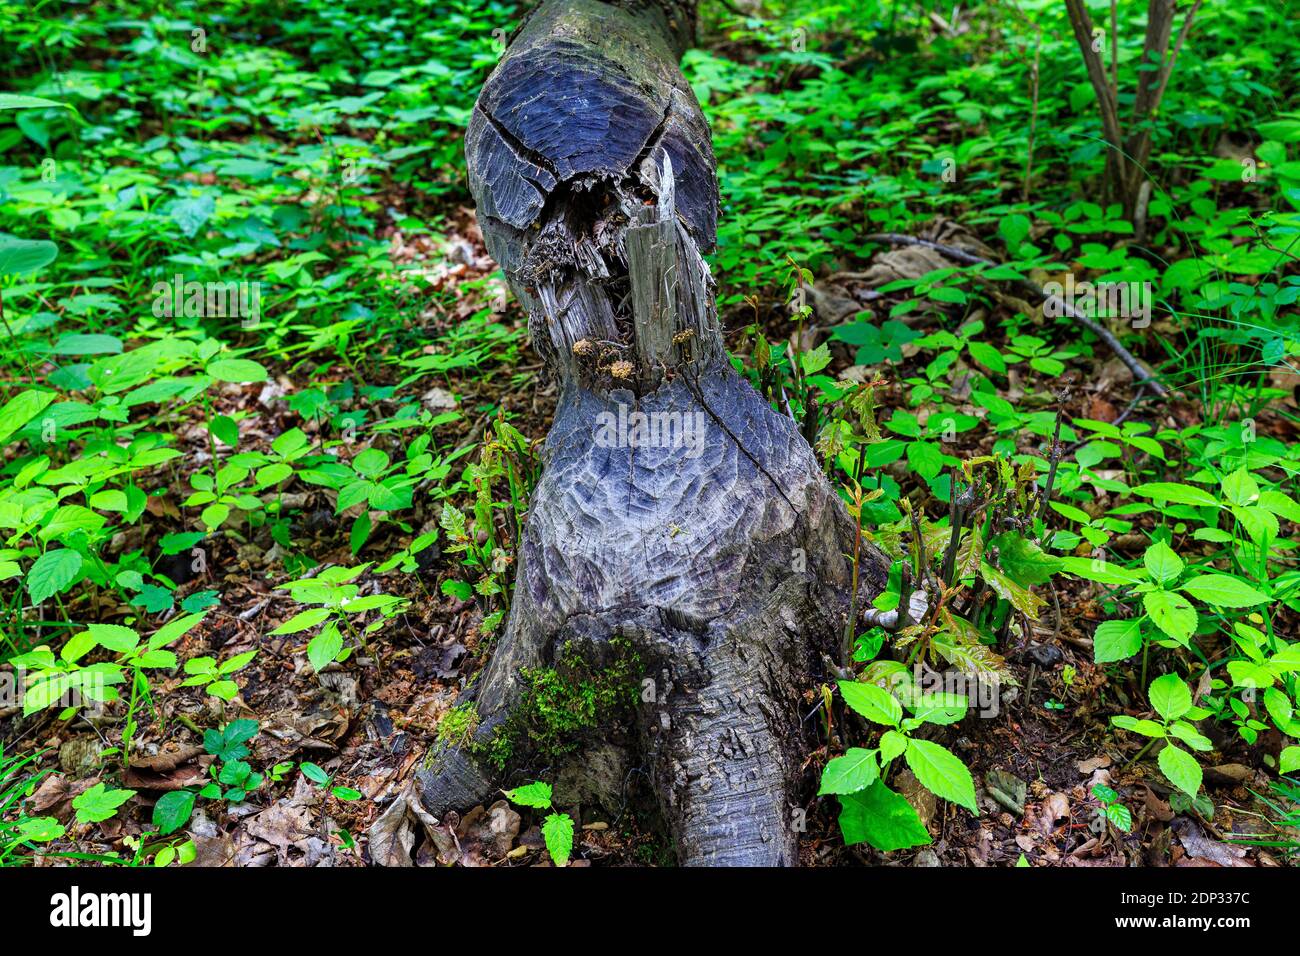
(1127, 158)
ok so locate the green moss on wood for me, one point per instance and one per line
(458, 725)
(564, 701)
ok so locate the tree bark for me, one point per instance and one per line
(710, 542)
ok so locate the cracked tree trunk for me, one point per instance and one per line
(676, 512)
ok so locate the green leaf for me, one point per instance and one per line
(1104, 793)
(303, 620)
(173, 810)
(40, 829)
(987, 356)
(1279, 708)
(22, 256)
(237, 662)
(70, 518)
(153, 599)
(191, 213)
(1289, 760)
(236, 370)
(1147, 728)
(1020, 597)
(384, 498)
(1014, 228)
(361, 529)
(557, 831)
(1181, 768)
(459, 590)
(225, 429)
(874, 703)
(942, 773)
(1116, 641)
(1249, 674)
(1119, 815)
(21, 409)
(940, 708)
(17, 101)
(314, 772)
(78, 646)
(882, 818)
(925, 458)
(1103, 572)
(370, 463)
(536, 795)
(1172, 613)
(81, 343)
(223, 689)
(856, 770)
(1280, 504)
(200, 601)
(1023, 561)
(176, 543)
(323, 649)
(1170, 696)
(174, 629)
(1283, 130)
(1223, 590)
(1163, 563)
(214, 516)
(1239, 488)
(1176, 494)
(114, 637)
(99, 803)
(52, 573)
(1190, 736)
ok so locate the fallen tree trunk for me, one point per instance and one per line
(679, 522)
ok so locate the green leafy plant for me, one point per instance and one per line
(20, 833)
(338, 602)
(99, 803)
(1172, 700)
(320, 778)
(233, 778)
(215, 677)
(870, 811)
(52, 678)
(1112, 811)
(557, 828)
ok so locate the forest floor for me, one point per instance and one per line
(389, 330)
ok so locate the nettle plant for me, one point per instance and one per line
(377, 483)
(245, 476)
(1171, 699)
(1224, 597)
(870, 811)
(338, 603)
(90, 438)
(51, 679)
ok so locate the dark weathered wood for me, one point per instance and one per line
(713, 546)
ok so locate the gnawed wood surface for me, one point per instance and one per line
(707, 539)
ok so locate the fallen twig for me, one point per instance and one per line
(1140, 372)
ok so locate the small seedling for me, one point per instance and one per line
(557, 828)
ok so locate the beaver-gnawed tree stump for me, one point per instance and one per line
(677, 514)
